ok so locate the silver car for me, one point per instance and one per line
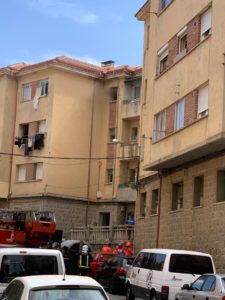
(207, 287)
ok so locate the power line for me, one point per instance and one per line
(69, 158)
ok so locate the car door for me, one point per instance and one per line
(195, 292)
(208, 289)
(134, 274)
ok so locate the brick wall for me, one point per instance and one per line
(190, 111)
(173, 48)
(193, 32)
(170, 119)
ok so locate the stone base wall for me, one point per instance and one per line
(192, 228)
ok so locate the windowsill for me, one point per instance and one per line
(157, 76)
(141, 217)
(28, 181)
(197, 207)
(25, 101)
(154, 215)
(176, 211)
(108, 183)
(219, 203)
(172, 133)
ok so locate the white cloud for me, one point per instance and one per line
(64, 9)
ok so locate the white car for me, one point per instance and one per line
(54, 287)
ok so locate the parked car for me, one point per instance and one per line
(207, 286)
(54, 287)
(15, 262)
(110, 271)
(160, 273)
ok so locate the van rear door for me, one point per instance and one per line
(185, 268)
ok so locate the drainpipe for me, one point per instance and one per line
(159, 210)
(11, 155)
(90, 152)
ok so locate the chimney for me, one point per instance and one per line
(108, 63)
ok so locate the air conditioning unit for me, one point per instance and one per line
(99, 195)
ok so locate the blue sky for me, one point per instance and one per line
(89, 30)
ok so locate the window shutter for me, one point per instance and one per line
(203, 99)
(22, 173)
(206, 21)
(180, 114)
(42, 126)
(39, 171)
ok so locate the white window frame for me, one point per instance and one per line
(109, 173)
(39, 171)
(160, 125)
(44, 87)
(203, 98)
(21, 173)
(181, 34)
(179, 120)
(162, 54)
(26, 92)
(206, 23)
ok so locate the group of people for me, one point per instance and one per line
(123, 249)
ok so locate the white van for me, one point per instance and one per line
(160, 273)
(16, 262)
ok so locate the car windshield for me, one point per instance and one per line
(65, 293)
(23, 265)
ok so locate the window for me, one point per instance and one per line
(112, 134)
(203, 95)
(164, 3)
(113, 93)
(28, 172)
(142, 204)
(182, 38)
(190, 264)
(147, 37)
(177, 196)
(109, 175)
(159, 126)
(221, 186)
(198, 190)
(156, 261)
(155, 201)
(163, 59)
(44, 87)
(132, 175)
(42, 126)
(209, 284)
(137, 92)
(180, 114)
(206, 23)
(13, 291)
(26, 92)
(104, 219)
(134, 134)
(145, 90)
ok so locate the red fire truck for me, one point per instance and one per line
(29, 227)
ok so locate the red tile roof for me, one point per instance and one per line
(74, 64)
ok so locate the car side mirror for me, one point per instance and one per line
(186, 287)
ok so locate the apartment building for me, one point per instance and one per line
(181, 200)
(69, 133)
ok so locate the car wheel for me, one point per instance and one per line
(112, 286)
(129, 295)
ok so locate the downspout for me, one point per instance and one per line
(90, 152)
(159, 210)
(11, 155)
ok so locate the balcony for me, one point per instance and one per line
(97, 235)
(127, 192)
(129, 151)
(131, 108)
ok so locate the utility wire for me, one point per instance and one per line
(69, 158)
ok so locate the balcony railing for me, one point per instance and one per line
(103, 234)
(127, 191)
(129, 151)
(131, 108)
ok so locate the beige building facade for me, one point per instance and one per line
(181, 199)
(69, 140)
